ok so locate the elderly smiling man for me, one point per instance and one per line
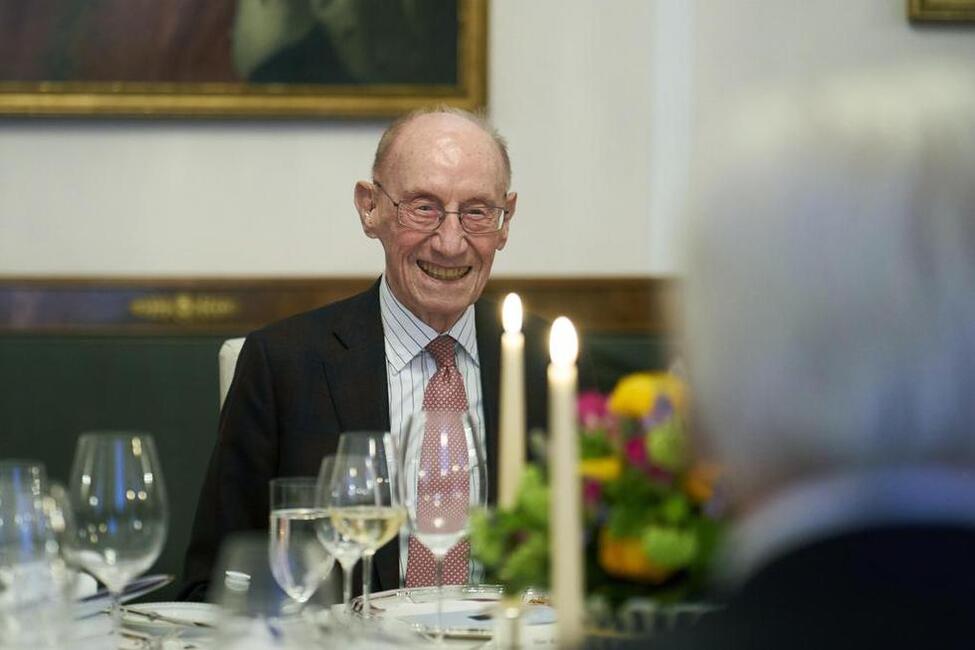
(439, 203)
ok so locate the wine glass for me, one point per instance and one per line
(444, 476)
(120, 510)
(367, 507)
(34, 582)
(255, 611)
(299, 561)
(23, 530)
(345, 549)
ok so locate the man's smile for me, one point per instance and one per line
(445, 273)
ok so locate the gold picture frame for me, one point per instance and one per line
(234, 98)
(941, 11)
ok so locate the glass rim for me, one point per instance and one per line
(114, 433)
(21, 462)
(293, 481)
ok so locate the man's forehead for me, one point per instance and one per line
(444, 140)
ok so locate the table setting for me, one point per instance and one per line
(426, 491)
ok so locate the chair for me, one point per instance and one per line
(227, 360)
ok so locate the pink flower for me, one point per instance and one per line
(636, 451)
(592, 492)
(592, 408)
(659, 475)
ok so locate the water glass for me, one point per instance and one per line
(299, 560)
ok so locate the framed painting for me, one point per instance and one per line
(941, 10)
(240, 58)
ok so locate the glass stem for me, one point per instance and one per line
(438, 559)
(116, 614)
(366, 582)
(347, 584)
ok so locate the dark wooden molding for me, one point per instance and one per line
(89, 305)
(941, 11)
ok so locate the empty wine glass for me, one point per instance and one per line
(367, 507)
(345, 549)
(444, 476)
(299, 560)
(119, 507)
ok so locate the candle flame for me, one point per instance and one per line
(563, 343)
(511, 313)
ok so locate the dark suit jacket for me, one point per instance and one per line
(298, 384)
(890, 587)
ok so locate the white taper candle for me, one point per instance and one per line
(512, 416)
(568, 581)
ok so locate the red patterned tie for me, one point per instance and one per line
(444, 395)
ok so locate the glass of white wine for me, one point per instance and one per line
(367, 507)
(345, 549)
(299, 561)
(120, 509)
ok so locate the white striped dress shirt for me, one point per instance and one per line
(409, 368)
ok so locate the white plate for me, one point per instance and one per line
(183, 617)
(467, 609)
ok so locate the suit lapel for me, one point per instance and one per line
(489, 352)
(355, 369)
(355, 366)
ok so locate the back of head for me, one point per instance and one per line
(830, 294)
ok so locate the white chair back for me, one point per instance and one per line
(227, 360)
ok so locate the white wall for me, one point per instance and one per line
(569, 87)
(600, 100)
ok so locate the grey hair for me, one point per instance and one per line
(478, 119)
(830, 294)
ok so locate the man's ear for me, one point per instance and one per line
(510, 203)
(365, 205)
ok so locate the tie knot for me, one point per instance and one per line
(442, 349)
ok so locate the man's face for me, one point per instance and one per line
(446, 158)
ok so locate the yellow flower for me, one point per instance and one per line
(700, 480)
(636, 394)
(624, 557)
(601, 469)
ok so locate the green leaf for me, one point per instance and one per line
(486, 544)
(675, 509)
(533, 498)
(594, 443)
(527, 564)
(670, 547)
(667, 446)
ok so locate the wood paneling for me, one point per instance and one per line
(214, 305)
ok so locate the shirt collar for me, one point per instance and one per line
(406, 335)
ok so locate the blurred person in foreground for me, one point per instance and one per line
(830, 322)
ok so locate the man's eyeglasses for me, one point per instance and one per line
(426, 215)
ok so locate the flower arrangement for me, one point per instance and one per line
(652, 513)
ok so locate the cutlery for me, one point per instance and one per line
(162, 618)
